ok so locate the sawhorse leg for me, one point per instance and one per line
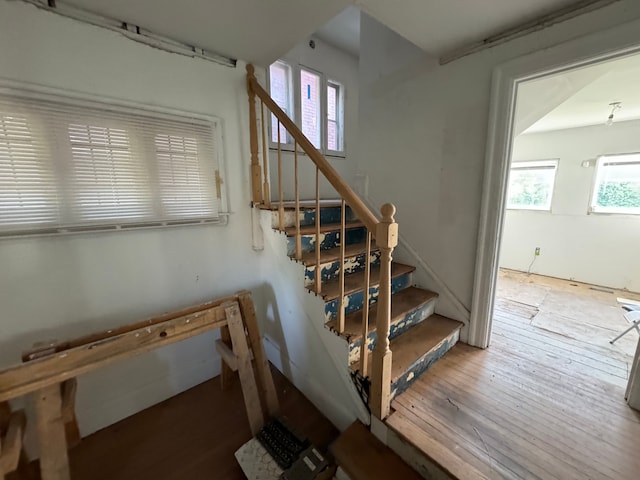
(50, 422)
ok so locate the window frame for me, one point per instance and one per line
(286, 145)
(533, 164)
(101, 102)
(597, 210)
(321, 99)
(340, 106)
(296, 68)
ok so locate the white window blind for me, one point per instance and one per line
(68, 166)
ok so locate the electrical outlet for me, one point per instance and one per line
(537, 251)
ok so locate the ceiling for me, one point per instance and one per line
(439, 26)
(260, 31)
(253, 30)
(581, 97)
(343, 31)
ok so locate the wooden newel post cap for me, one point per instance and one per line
(388, 210)
(387, 231)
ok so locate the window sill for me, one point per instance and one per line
(222, 221)
(289, 149)
(529, 209)
(619, 214)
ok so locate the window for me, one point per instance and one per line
(335, 113)
(310, 103)
(317, 106)
(531, 185)
(67, 165)
(280, 88)
(617, 186)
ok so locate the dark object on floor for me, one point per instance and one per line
(307, 467)
(281, 442)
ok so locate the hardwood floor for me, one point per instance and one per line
(535, 405)
(190, 436)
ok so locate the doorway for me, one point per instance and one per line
(507, 123)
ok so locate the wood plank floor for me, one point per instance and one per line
(535, 405)
(190, 436)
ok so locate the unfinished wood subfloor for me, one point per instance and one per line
(529, 407)
(190, 436)
(578, 316)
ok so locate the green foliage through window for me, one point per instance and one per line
(617, 188)
(531, 185)
(619, 194)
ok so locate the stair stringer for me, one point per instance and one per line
(314, 359)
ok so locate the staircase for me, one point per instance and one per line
(418, 337)
(389, 325)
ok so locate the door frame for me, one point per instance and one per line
(594, 48)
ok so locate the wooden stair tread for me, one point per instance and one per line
(402, 303)
(304, 204)
(324, 228)
(417, 342)
(333, 254)
(442, 455)
(364, 457)
(354, 282)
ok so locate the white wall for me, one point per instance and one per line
(342, 67)
(56, 287)
(594, 248)
(423, 142)
(62, 286)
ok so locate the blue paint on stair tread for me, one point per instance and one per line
(398, 326)
(327, 215)
(422, 364)
(418, 348)
(328, 240)
(355, 300)
(331, 270)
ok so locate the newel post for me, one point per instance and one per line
(256, 174)
(386, 239)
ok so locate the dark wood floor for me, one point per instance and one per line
(191, 436)
(533, 406)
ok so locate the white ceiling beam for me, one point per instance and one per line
(561, 15)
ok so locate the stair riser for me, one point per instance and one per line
(397, 327)
(355, 300)
(331, 270)
(308, 216)
(423, 363)
(327, 240)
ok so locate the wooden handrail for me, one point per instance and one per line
(385, 231)
(357, 205)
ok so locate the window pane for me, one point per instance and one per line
(618, 184)
(332, 102)
(332, 136)
(27, 188)
(310, 106)
(108, 181)
(335, 124)
(280, 90)
(184, 183)
(531, 185)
